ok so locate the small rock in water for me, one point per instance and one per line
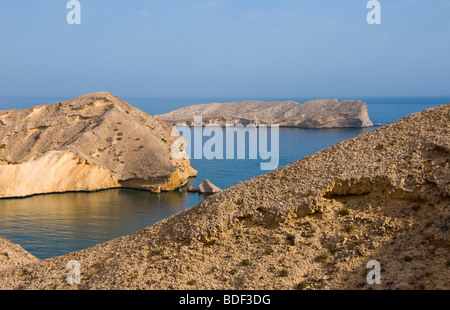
(207, 187)
(192, 189)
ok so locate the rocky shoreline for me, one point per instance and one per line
(311, 114)
(314, 224)
(90, 143)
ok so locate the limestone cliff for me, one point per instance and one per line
(314, 224)
(93, 142)
(310, 114)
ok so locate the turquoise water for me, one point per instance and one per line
(51, 225)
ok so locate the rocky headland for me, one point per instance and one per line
(311, 114)
(314, 224)
(90, 143)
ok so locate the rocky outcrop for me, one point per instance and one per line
(314, 224)
(90, 143)
(12, 255)
(311, 114)
(208, 188)
(192, 189)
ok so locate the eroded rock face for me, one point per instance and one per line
(93, 142)
(314, 224)
(311, 114)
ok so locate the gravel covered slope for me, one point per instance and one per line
(314, 224)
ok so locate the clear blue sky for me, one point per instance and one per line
(223, 48)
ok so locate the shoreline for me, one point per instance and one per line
(308, 215)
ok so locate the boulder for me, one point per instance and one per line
(192, 189)
(208, 188)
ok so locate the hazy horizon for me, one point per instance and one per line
(225, 49)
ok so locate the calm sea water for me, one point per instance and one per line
(52, 225)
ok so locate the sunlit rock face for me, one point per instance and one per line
(90, 143)
(311, 114)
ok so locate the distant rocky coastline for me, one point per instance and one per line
(311, 114)
(381, 197)
(90, 143)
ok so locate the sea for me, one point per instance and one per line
(57, 224)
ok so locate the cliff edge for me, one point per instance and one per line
(315, 224)
(90, 143)
(311, 114)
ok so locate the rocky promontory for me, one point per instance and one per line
(90, 143)
(311, 114)
(383, 197)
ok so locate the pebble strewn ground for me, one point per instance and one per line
(314, 224)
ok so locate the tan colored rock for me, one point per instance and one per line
(310, 114)
(90, 143)
(206, 187)
(314, 224)
(192, 189)
(13, 255)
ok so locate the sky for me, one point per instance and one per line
(225, 48)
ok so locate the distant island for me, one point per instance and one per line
(323, 113)
(318, 223)
(90, 143)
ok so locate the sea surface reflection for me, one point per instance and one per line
(55, 224)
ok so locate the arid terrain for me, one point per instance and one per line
(314, 224)
(89, 143)
(12, 255)
(311, 114)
